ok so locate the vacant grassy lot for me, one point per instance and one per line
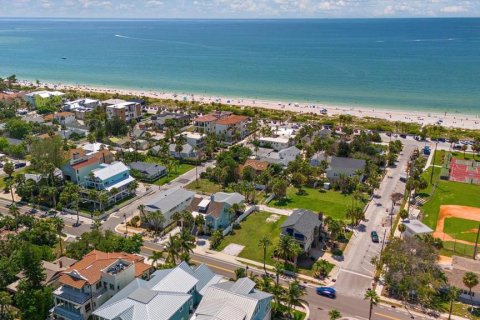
(450, 193)
(253, 228)
(204, 186)
(440, 156)
(461, 228)
(176, 171)
(330, 202)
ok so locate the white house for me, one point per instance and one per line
(170, 201)
(276, 143)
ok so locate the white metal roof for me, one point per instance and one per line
(109, 170)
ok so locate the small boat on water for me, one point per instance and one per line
(64, 58)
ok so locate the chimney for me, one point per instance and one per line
(60, 263)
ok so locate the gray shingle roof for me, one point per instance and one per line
(341, 162)
(230, 198)
(304, 221)
(150, 169)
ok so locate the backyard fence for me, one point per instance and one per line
(240, 218)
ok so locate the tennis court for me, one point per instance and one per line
(467, 171)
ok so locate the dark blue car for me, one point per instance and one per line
(327, 292)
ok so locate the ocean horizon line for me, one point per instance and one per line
(6, 18)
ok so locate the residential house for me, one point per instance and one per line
(276, 143)
(82, 162)
(205, 124)
(257, 166)
(304, 226)
(81, 107)
(187, 152)
(317, 159)
(455, 274)
(216, 209)
(64, 117)
(78, 127)
(195, 139)
(178, 120)
(348, 167)
(140, 144)
(89, 283)
(232, 128)
(40, 98)
(147, 171)
(170, 294)
(33, 118)
(237, 300)
(124, 111)
(53, 270)
(109, 177)
(170, 201)
(282, 157)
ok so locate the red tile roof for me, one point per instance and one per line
(85, 163)
(256, 165)
(207, 118)
(91, 266)
(233, 119)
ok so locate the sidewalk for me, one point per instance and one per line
(257, 266)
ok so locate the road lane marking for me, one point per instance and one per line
(386, 316)
(356, 273)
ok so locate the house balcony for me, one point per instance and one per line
(68, 314)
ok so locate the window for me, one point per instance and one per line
(98, 285)
(87, 307)
(112, 287)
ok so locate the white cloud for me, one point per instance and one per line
(453, 9)
(153, 3)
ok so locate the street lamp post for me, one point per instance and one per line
(433, 166)
(125, 219)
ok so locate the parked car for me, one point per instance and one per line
(20, 165)
(374, 236)
(327, 292)
(404, 136)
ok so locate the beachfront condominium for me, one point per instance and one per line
(89, 283)
(125, 111)
(229, 129)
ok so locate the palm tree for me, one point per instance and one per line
(403, 214)
(15, 212)
(278, 268)
(141, 209)
(264, 242)
(453, 294)
(293, 296)
(103, 199)
(156, 219)
(373, 298)
(295, 252)
(283, 247)
(334, 314)
(156, 256)
(321, 267)
(177, 217)
(59, 225)
(186, 243)
(470, 280)
(172, 250)
(240, 273)
(402, 228)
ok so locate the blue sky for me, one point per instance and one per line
(239, 8)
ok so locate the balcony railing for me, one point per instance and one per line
(68, 314)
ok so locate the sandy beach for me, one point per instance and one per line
(456, 120)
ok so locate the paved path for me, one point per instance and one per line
(283, 212)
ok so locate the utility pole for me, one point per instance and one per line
(383, 242)
(476, 243)
(125, 219)
(433, 166)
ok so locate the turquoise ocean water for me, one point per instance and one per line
(418, 64)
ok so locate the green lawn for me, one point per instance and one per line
(450, 193)
(176, 171)
(427, 174)
(461, 228)
(330, 202)
(204, 186)
(252, 229)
